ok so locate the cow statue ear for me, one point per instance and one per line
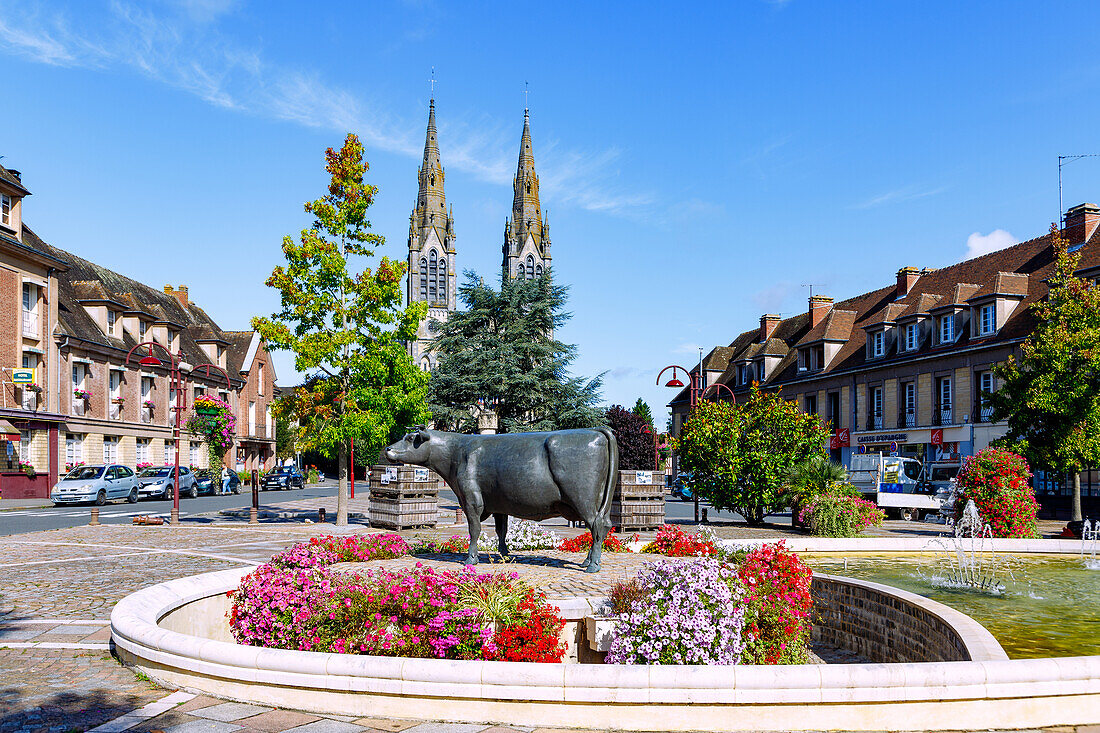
(421, 437)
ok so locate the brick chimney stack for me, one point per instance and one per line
(1081, 221)
(820, 306)
(180, 294)
(768, 322)
(907, 278)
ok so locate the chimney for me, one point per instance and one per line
(180, 294)
(907, 278)
(16, 174)
(820, 306)
(1081, 222)
(768, 322)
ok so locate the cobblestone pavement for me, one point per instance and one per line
(56, 671)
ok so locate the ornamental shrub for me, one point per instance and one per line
(672, 541)
(216, 426)
(583, 543)
(839, 512)
(999, 484)
(777, 606)
(531, 635)
(690, 613)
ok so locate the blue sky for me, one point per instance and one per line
(699, 162)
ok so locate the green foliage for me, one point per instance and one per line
(812, 477)
(635, 444)
(999, 484)
(500, 353)
(1051, 395)
(740, 455)
(840, 511)
(351, 327)
(641, 409)
(286, 437)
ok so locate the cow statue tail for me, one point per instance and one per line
(612, 471)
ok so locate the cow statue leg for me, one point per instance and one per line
(474, 507)
(599, 527)
(502, 533)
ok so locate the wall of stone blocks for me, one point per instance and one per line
(879, 627)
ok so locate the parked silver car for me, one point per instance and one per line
(157, 482)
(99, 484)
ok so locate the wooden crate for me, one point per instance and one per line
(403, 512)
(632, 515)
(640, 485)
(403, 497)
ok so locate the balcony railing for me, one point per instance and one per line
(29, 399)
(907, 419)
(147, 414)
(874, 421)
(984, 413)
(78, 407)
(114, 411)
(942, 415)
(30, 324)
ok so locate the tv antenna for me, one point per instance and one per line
(1064, 160)
(811, 286)
(525, 91)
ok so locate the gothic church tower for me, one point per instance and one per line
(431, 250)
(526, 235)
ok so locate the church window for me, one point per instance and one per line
(423, 279)
(538, 270)
(528, 188)
(425, 365)
(530, 267)
(433, 275)
(442, 284)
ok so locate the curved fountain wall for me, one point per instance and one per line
(176, 633)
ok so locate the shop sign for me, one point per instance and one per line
(843, 438)
(937, 436)
(885, 438)
(22, 376)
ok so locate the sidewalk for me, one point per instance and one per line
(9, 504)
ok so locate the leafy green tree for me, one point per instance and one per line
(286, 437)
(349, 326)
(1050, 395)
(500, 354)
(635, 439)
(740, 455)
(641, 409)
(813, 476)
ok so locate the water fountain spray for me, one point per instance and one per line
(969, 561)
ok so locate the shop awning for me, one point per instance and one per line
(8, 431)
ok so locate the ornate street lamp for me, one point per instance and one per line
(176, 368)
(718, 388)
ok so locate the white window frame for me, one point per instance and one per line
(983, 377)
(878, 343)
(110, 449)
(911, 336)
(74, 448)
(169, 452)
(142, 328)
(142, 450)
(267, 422)
(984, 328)
(25, 438)
(194, 454)
(112, 321)
(251, 417)
(260, 381)
(909, 397)
(7, 206)
(945, 390)
(947, 328)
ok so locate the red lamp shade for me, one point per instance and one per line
(674, 382)
(150, 361)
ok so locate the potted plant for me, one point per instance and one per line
(27, 469)
(82, 394)
(148, 404)
(120, 401)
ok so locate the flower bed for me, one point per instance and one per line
(707, 611)
(999, 483)
(523, 534)
(672, 541)
(583, 543)
(295, 602)
(839, 514)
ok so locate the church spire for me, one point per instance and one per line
(526, 210)
(431, 199)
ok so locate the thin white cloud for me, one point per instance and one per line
(687, 348)
(909, 193)
(771, 298)
(978, 244)
(178, 44)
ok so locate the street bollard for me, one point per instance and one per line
(321, 515)
(94, 522)
(254, 512)
(704, 516)
(458, 516)
(253, 515)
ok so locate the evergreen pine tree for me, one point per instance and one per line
(641, 409)
(499, 354)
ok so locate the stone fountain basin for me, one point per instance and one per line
(177, 633)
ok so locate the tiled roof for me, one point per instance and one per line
(1019, 271)
(9, 178)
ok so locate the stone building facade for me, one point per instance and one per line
(903, 368)
(77, 321)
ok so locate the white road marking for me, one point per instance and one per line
(136, 717)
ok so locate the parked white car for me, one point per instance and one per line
(98, 484)
(158, 482)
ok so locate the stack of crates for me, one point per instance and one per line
(403, 497)
(639, 501)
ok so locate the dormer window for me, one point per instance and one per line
(987, 319)
(6, 205)
(947, 328)
(912, 336)
(112, 319)
(878, 343)
(742, 374)
(141, 330)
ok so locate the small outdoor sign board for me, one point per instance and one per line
(206, 410)
(643, 477)
(23, 376)
(389, 474)
(420, 474)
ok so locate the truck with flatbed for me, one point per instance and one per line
(895, 484)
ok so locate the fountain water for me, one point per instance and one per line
(969, 561)
(1089, 534)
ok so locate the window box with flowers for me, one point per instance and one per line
(120, 401)
(82, 394)
(147, 404)
(28, 469)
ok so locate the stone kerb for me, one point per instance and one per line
(930, 696)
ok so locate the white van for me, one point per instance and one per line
(893, 483)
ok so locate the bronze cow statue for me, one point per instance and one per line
(565, 473)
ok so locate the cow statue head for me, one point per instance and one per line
(413, 448)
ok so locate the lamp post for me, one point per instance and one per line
(718, 388)
(176, 368)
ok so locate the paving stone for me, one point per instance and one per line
(277, 721)
(20, 634)
(230, 711)
(326, 725)
(447, 728)
(203, 726)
